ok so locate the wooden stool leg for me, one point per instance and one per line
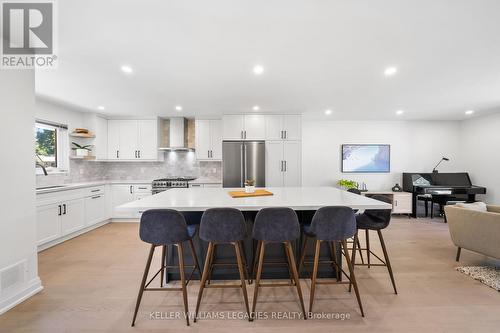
(296, 277)
(367, 233)
(204, 278)
(352, 277)
(359, 249)
(314, 274)
(212, 258)
(143, 283)
(180, 253)
(333, 257)
(255, 259)
(353, 255)
(387, 261)
(245, 265)
(257, 277)
(195, 258)
(303, 253)
(163, 264)
(287, 256)
(242, 277)
(459, 249)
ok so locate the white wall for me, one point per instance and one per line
(480, 151)
(59, 114)
(17, 224)
(416, 146)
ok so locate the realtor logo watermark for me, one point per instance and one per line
(28, 35)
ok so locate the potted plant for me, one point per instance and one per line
(347, 184)
(81, 150)
(249, 186)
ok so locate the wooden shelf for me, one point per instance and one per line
(87, 158)
(82, 135)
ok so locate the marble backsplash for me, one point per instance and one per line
(175, 164)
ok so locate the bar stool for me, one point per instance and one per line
(333, 225)
(276, 225)
(374, 219)
(162, 227)
(222, 226)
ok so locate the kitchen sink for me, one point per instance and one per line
(49, 187)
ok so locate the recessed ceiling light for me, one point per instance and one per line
(389, 71)
(469, 112)
(256, 108)
(126, 69)
(100, 107)
(328, 112)
(258, 69)
(178, 108)
(399, 112)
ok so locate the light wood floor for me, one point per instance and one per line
(91, 284)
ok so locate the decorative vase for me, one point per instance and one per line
(397, 188)
(249, 189)
(82, 152)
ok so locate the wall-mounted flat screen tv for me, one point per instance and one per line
(366, 158)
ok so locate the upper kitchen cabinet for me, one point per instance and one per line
(208, 139)
(283, 163)
(244, 127)
(132, 140)
(283, 127)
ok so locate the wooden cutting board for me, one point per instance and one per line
(243, 194)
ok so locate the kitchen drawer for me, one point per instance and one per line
(213, 185)
(95, 190)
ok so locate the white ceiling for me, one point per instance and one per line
(317, 55)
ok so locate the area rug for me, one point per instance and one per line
(487, 275)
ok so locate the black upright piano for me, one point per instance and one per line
(452, 185)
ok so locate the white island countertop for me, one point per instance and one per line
(297, 198)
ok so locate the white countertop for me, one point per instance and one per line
(73, 186)
(298, 198)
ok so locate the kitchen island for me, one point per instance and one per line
(304, 200)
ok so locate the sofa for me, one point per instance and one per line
(476, 230)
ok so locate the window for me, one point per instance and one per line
(46, 144)
(51, 147)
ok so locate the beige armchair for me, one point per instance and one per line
(475, 230)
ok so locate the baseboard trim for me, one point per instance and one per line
(72, 235)
(33, 287)
(118, 220)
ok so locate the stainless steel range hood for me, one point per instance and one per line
(177, 134)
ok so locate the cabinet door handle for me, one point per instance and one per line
(285, 165)
(211, 154)
(242, 135)
(96, 197)
(135, 154)
(208, 153)
(286, 134)
(117, 154)
(281, 166)
(60, 210)
(96, 190)
(131, 189)
(142, 188)
(245, 134)
(64, 206)
(139, 153)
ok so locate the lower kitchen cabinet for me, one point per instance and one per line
(73, 216)
(66, 214)
(48, 220)
(124, 193)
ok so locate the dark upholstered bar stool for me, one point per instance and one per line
(162, 227)
(333, 225)
(276, 225)
(222, 226)
(377, 220)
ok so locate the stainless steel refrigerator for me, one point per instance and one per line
(243, 160)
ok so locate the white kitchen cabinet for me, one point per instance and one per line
(73, 216)
(132, 140)
(147, 140)
(283, 163)
(124, 193)
(402, 203)
(244, 127)
(48, 223)
(208, 139)
(283, 127)
(95, 209)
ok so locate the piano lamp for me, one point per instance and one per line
(442, 159)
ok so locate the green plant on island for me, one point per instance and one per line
(249, 182)
(347, 184)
